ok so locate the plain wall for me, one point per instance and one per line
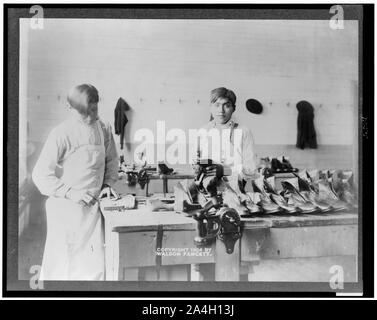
(166, 69)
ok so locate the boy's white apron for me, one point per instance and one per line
(74, 247)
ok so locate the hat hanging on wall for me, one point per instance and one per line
(254, 106)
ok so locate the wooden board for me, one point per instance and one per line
(301, 220)
(282, 243)
(165, 273)
(137, 249)
(252, 241)
(177, 241)
(315, 269)
(227, 265)
(143, 219)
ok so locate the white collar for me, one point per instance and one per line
(226, 125)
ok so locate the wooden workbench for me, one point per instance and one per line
(272, 248)
(132, 237)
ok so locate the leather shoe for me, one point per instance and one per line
(269, 184)
(266, 203)
(327, 194)
(344, 187)
(164, 169)
(231, 200)
(310, 194)
(291, 191)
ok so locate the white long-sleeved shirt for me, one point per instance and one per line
(242, 158)
(62, 141)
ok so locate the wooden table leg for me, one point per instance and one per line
(203, 272)
(227, 267)
(111, 253)
(165, 185)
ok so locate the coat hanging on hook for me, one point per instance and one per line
(120, 119)
(306, 135)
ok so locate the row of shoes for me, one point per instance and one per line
(308, 192)
(278, 164)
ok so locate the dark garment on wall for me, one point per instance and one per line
(121, 119)
(306, 135)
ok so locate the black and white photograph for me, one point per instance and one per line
(213, 149)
